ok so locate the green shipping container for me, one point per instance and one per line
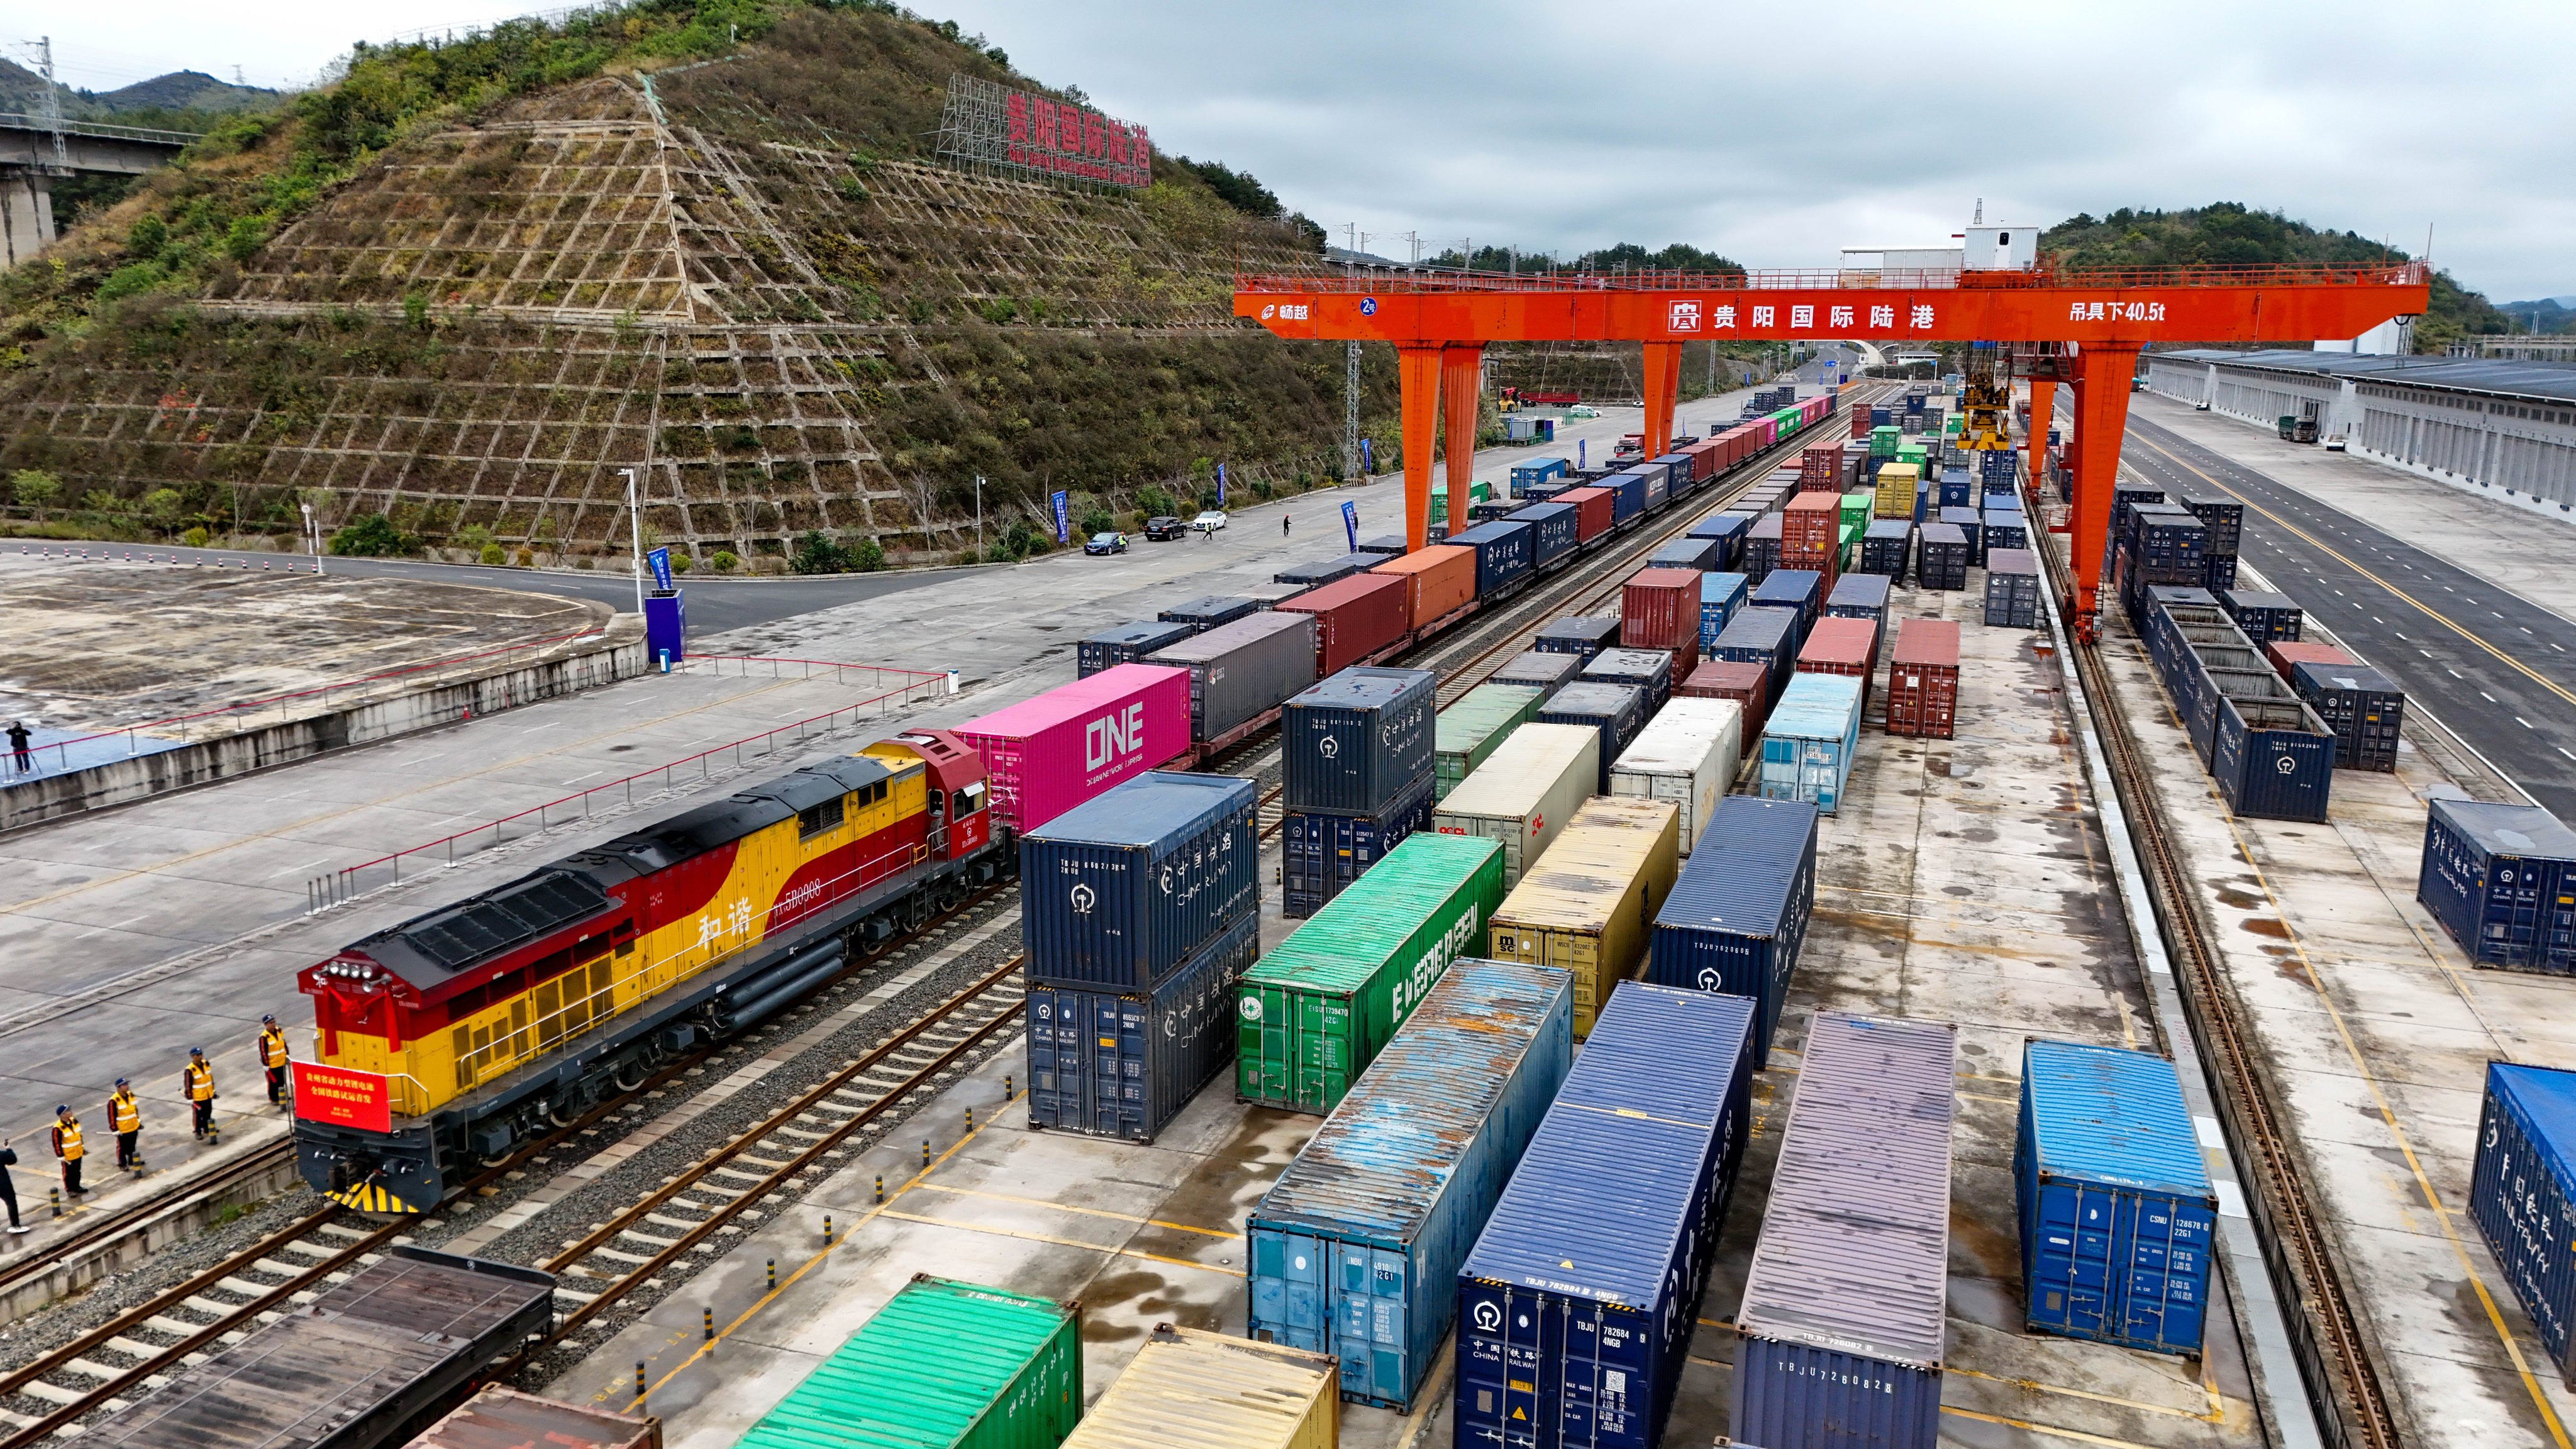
(1311, 1015)
(1856, 511)
(944, 1365)
(1883, 441)
(1475, 727)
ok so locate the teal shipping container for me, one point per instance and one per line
(944, 1365)
(1810, 738)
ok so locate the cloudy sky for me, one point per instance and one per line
(1773, 133)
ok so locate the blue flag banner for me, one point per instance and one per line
(659, 561)
(1351, 523)
(1063, 523)
(1367, 466)
(1220, 485)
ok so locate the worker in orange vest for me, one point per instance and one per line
(67, 1146)
(197, 1083)
(273, 1055)
(125, 1119)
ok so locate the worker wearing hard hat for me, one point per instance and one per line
(67, 1146)
(197, 1084)
(125, 1119)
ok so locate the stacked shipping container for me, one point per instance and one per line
(1356, 754)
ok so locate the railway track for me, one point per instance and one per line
(2352, 1406)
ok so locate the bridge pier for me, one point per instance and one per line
(26, 212)
(2102, 373)
(1663, 376)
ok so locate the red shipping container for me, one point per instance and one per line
(1439, 581)
(1591, 511)
(1820, 468)
(1923, 679)
(1355, 617)
(1748, 684)
(1659, 609)
(1842, 646)
(1811, 523)
(1051, 752)
(2289, 654)
(1860, 422)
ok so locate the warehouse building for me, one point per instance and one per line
(2507, 428)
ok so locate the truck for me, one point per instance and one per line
(2297, 430)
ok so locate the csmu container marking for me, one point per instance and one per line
(1124, 1064)
(1047, 754)
(1576, 1307)
(1585, 906)
(1321, 1005)
(1738, 913)
(1354, 1250)
(943, 1365)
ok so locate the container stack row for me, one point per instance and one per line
(1358, 753)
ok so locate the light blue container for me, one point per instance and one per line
(1810, 739)
(1720, 595)
(1355, 1250)
(2115, 1204)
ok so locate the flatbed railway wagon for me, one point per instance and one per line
(448, 1038)
(367, 1365)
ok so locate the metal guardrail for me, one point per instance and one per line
(104, 131)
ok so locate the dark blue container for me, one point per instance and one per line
(1552, 531)
(1207, 612)
(1504, 555)
(1537, 470)
(1859, 596)
(2522, 1194)
(2363, 707)
(1761, 548)
(1887, 547)
(1121, 1064)
(2166, 547)
(1941, 557)
(2125, 496)
(1687, 553)
(2218, 571)
(2224, 517)
(2006, 529)
(1126, 643)
(1627, 495)
(1738, 912)
(1761, 636)
(1543, 492)
(1618, 711)
(1720, 596)
(2265, 618)
(1648, 669)
(1838, 1341)
(1799, 590)
(1659, 482)
(1727, 529)
(1957, 491)
(1680, 472)
(1664, 1089)
(1577, 635)
(2115, 1205)
(1322, 853)
(1969, 523)
(1356, 741)
(1321, 572)
(2502, 880)
(1119, 890)
(2274, 759)
(1545, 672)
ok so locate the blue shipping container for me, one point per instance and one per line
(2523, 1195)
(1738, 913)
(1627, 495)
(1810, 739)
(1208, 611)
(1552, 531)
(1124, 1064)
(1859, 596)
(1664, 1089)
(1886, 548)
(1127, 643)
(1761, 548)
(2502, 880)
(1536, 470)
(1648, 669)
(2115, 1206)
(1728, 529)
(1121, 889)
(2274, 759)
(1761, 636)
(1355, 742)
(1355, 1249)
(1618, 711)
(1322, 853)
(1839, 1338)
(1802, 590)
(2265, 618)
(1686, 553)
(1504, 554)
(1577, 635)
(1316, 575)
(1720, 595)
(1969, 522)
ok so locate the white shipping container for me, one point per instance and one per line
(1687, 757)
(1525, 792)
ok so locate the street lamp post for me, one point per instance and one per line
(635, 524)
(313, 532)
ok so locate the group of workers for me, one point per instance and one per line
(125, 1117)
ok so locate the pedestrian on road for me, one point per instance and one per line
(125, 1119)
(8, 1189)
(1283, 525)
(67, 1146)
(273, 1055)
(197, 1082)
(19, 736)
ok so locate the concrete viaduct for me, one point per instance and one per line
(35, 152)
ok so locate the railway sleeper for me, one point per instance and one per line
(132, 1348)
(52, 1393)
(175, 1327)
(90, 1368)
(304, 1249)
(631, 1260)
(641, 1236)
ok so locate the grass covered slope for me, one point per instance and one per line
(467, 284)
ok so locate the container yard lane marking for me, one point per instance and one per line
(2428, 610)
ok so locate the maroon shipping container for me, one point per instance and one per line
(1659, 609)
(1820, 468)
(1591, 511)
(1747, 684)
(1355, 617)
(1923, 679)
(1439, 581)
(2289, 654)
(1842, 646)
(1860, 422)
(1708, 459)
(1811, 523)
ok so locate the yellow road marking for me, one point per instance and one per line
(2216, 1412)
(2024, 1424)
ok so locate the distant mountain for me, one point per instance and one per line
(23, 90)
(2548, 314)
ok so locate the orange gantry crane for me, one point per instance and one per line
(1439, 323)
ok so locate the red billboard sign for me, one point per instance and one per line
(344, 1098)
(996, 125)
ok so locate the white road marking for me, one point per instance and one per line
(2518, 719)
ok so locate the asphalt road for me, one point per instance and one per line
(715, 605)
(2495, 667)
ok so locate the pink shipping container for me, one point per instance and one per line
(1047, 754)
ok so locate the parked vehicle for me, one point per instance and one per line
(1163, 529)
(1210, 521)
(1103, 543)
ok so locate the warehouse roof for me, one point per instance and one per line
(2494, 377)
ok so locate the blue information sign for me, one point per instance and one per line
(1351, 523)
(659, 561)
(1063, 521)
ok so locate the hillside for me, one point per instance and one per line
(2226, 233)
(471, 281)
(2542, 314)
(181, 100)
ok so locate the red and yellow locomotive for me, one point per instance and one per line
(445, 1039)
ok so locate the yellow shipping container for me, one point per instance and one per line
(1897, 485)
(1588, 906)
(1193, 1390)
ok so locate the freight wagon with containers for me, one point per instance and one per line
(1586, 905)
(1629, 1173)
(942, 1363)
(1211, 610)
(1357, 620)
(1241, 673)
(1126, 644)
(1738, 911)
(1321, 572)
(1053, 751)
(1687, 757)
(1839, 1339)
(1354, 1249)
